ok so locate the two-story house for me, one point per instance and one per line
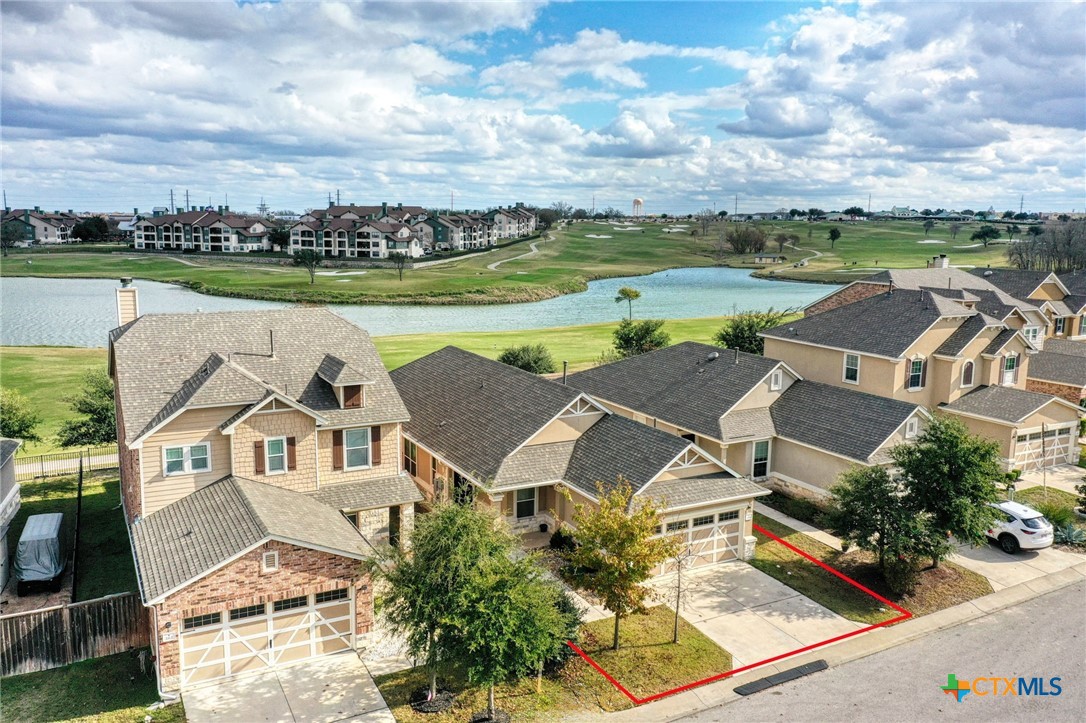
(755, 414)
(259, 456)
(1064, 309)
(485, 433)
(935, 349)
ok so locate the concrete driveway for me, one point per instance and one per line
(753, 616)
(1003, 570)
(332, 688)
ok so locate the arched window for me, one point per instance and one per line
(967, 374)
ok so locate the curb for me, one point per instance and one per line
(720, 693)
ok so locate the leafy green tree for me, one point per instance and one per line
(815, 213)
(96, 423)
(637, 337)
(1013, 230)
(617, 549)
(1035, 231)
(17, 419)
(833, 235)
(91, 230)
(399, 260)
(11, 233)
(950, 475)
(534, 358)
(507, 622)
(928, 226)
(280, 237)
(420, 586)
(985, 234)
(546, 217)
(741, 330)
(310, 260)
(629, 295)
(854, 211)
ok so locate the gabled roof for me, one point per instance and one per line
(1019, 284)
(1001, 340)
(680, 384)
(884, 325)
(201, 532)
(966, 333)
(473, 411)
(1006, 404)
(1075, 282)
(1076, 303)
(337, 372)
(843, 421)
(1051, 366)
(8, 448)
(699, 491)
(158, 360)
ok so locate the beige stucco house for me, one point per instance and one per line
(260, 463)
(485, 433)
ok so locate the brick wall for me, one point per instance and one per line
(855, 292)
(302, 571)
(129, 463)
(1064, 391)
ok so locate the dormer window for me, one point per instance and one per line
(776, 379)
(352, 396)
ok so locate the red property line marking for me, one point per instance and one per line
(905, 615)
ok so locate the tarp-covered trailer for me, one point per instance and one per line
(42, 553)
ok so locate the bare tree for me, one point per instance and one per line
(1060, 247)
(954, 229)
(705, 219)
(399, 260)
(745, 239)
(720, 246)
(563, 209)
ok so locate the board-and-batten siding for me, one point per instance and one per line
(195, 426)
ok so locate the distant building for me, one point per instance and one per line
(196, 230)
(41, 227)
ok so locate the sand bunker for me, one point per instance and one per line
(931, 241)
(852, 271)
(969, 246)
(596, 235)
(340, 273)
(626, 228)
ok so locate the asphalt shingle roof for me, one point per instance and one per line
(160, 356)
(1000, 341)
(1004, 403)
(747, 424)
(538, 464)
(196, 534)
(964, 334)
(697, 491)
(885, 324)
(474, 411)
(1019, 284)
(843, 421)
(1066, 346)
(8, 447)
(370, 494)
(1075, 281)
(1063, 368)
(678, 384)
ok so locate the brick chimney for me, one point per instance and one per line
(128, 302)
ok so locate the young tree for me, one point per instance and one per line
(705, 220)
(420, 585)
(637, 337)
(741, 330)
(782, 239)
(928, 226)
(1013, 230)
(617, 549)
(17, 419)
(310, 260)
(833, 235)
(508, 623)
(399, 259)
(11, 233)
(534, 358)
(629, 295)
(950, 475)
(954, 228)
(985, 234)
(97, 425)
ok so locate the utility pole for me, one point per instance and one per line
(593, 204)
(869, 204)
(736, 205)
(186, 199)
(172, 207)
(329, 199)
(452, 201)
(1021, 202)
(337, 196)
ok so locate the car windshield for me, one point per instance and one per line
(1036, 523)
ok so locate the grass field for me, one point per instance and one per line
(38, 372)
(564, 264)
(47, 376)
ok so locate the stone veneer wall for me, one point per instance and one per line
(855, 292)
(1064, 391)
(302, 571)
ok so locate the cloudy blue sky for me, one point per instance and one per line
(109, 105)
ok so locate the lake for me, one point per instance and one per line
(80, 312)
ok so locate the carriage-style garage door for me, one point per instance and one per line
(1036, 450)
(710, 537)
(259, 637)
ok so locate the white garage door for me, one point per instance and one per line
(711, 537)
(1036, 450)
(259, 637)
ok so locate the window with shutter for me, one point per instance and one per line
(292, 453)
(258, 457)
(337, 449)
(375, 444)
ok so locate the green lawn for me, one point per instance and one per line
(1064, 502)
(647, 663)
(105, 557)
(939, 588)
(564, 264)
(46, 376)
(112, 689)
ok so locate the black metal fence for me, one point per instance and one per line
(62, 463)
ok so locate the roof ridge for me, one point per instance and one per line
(244, 497)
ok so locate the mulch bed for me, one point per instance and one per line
(440, 703)
(500, 716)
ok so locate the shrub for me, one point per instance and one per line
(800, 509)
(1057, 514)
(562, 540)
(638, 337)
(534, 358)
(1070, 535)
(1081, 489)
(901, 575)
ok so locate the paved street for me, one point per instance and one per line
(1043, 637)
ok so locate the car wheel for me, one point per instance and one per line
(1009, 544)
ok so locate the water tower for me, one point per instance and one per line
(638, 207)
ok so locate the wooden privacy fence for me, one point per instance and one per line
(57, 636)
(61, 463)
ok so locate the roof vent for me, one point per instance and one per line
(988, 273)
(714, 355)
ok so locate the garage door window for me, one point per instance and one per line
(200, 621)
(291, 603)
(677, 526)
(703, 521)
(250, 611)
(331, 595)
(729, 516)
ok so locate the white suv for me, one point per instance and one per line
(1023, 528)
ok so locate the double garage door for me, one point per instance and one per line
(261, 637)
(1052, 447)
